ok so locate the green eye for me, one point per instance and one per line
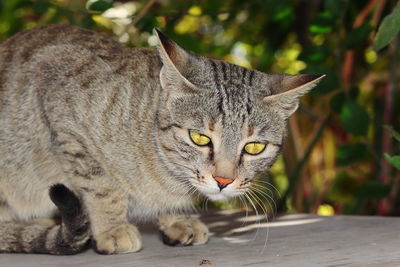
(254, 148)
(198, 138)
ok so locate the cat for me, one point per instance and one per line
(131, 133)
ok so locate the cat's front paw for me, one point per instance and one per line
(124, 238)
(183, 231)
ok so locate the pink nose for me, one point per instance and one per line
(223, 182)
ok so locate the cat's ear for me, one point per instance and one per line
(177, 65)
(287, 89)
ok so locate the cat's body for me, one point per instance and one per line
(91, 81)
(111, 123)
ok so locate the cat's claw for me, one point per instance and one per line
(124, 238)
(184, 232)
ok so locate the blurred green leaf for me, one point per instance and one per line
(354, 118)
(373, 190)
(358, 36)
(283, 13)
(388, 29)
(338, 100)
(394, 160)
(40, 6)
(212, 8)
(333, 6)
(99, 5)
(319, 29)
(314, 54)
(322, 24)
(349, 154)
(280, 11)
(147, 23)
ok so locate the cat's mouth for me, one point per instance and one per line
(216, 194)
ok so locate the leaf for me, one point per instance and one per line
(354, 118)
(322, 24)
(334, 6)
(394, 160)
(358, 36)
(283, 13)
(338, 100)
(99, 5)
(212, 8)
(350, 154)
(395, 134)
(314, 54)
(373, 190)
(388, 29)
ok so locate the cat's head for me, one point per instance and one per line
(221, 124)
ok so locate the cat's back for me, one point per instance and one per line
(21, 47)
(71, 55)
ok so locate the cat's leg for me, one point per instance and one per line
(105, 202)
(182, 230)
(108, 208)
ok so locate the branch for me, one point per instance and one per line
(349, 56)
(139, 16)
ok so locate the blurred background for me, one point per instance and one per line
(342, 152)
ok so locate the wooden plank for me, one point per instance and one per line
(293, 240)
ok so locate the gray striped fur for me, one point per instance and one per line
(111, 123)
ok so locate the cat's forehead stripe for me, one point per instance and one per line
(250, 130)
(211, 125)
(238, 101)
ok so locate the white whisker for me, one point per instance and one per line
(270, 184)
(246, 209)
(256, 211)
(260, 203)
(267, 198)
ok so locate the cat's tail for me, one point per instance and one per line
(70, 237)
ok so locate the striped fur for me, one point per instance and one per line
(111, 123)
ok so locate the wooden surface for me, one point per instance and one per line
(293, 240)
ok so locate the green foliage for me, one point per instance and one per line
(99, 5)
(354, 118)
(373, 190)
(349, 154)
(322, 23)
(358, 36)
(338, 100)
(388, 29)
(394, 160)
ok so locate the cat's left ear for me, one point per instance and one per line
(177, 65)
(287, 90)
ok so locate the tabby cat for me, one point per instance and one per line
(131, 133)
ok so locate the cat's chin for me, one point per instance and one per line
(217, 197)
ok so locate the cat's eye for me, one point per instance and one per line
(198, 138)
(254, 148)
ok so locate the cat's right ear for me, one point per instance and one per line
(177, 65)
